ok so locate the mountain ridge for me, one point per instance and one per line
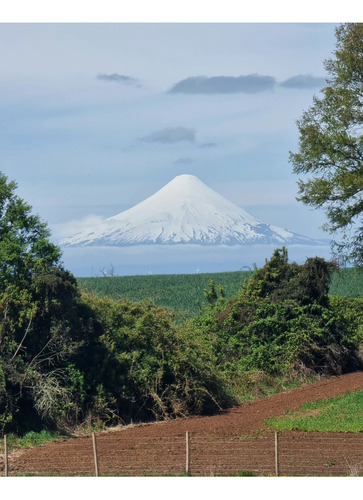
(185, 211)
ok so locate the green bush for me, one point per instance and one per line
(284, 324)
(70, 358)
(156, 369)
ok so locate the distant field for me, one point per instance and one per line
(180, 292)
(347, 283)
(184, 292)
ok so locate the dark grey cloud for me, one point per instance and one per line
(115, 77)
(208, 145)
(248, 84)
(171, 135)
(184, 161)
(304, 82)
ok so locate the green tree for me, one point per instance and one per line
(331, 146)
(212, 294)
(24, 239)
(40, 324)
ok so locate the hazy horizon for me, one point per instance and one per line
(177, 259)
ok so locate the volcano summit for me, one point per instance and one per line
(184, 211)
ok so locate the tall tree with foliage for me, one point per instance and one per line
(331, 146)
(25, 247)
(39, 316)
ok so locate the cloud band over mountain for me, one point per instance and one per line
(184, 161)
(304, 82)
(123, 79)
(248, 84)
(223, 84)
(171, 135)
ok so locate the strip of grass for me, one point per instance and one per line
(339, 414)
(31, 439)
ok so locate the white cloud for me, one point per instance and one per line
(62, 230)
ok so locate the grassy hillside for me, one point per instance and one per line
(184, 292)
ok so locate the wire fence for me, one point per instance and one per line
(120, 454)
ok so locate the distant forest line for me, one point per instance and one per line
(185, 292)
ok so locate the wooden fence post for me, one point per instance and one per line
(276, 454)
(6, 455)
(95, 452)
(187, 461)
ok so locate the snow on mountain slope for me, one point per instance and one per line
(184, 211)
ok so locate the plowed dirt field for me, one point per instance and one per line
(225, 444)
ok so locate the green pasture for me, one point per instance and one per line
(181, 292)
(184, 292)
(338, 414)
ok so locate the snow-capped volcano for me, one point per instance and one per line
(184, 211)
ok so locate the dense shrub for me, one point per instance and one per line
(156, 369)
(284, 323)
(69, 357)
(42, 329)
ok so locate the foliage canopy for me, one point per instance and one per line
(283, 323)
(39, 326)
(25, 248)
(331, 145)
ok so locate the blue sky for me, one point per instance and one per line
(95, 117)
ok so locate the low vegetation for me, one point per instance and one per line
(70, 358)
(283, 323)
(30, 439)
(339, 414)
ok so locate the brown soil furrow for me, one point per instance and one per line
(223, 444)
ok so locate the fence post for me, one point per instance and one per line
(276, 454)
(6, 454)
(187, 462)
(95, 452)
